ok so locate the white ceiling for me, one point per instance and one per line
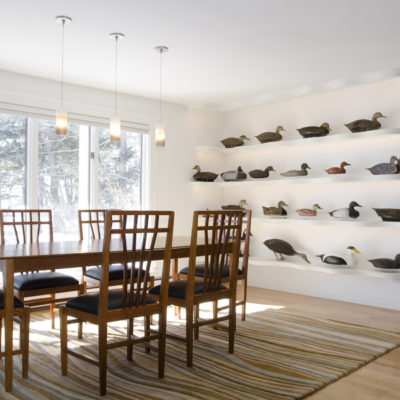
(222, 52)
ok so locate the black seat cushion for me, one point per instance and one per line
(90, 302)
(43, 280)
(199, 271)
(17, 302)
(116, 272)
(178, 288)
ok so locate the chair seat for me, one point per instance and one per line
(90, 302)
(178, 288)
(43, 280)
(17, 302)
(116, 272)
(199, 271)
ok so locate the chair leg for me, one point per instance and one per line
(64, 341)
(103, 357)
(52, 311)
(82, 290)
(196, 316)
(162, 331)
(244, 300)
(232, 324)
(189, 336)
(24, 342)
(147, 332)
(129, 334)
(1, 326)
(179, 312)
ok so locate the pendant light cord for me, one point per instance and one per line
(62, 65)
(161, 52)
(116, 69)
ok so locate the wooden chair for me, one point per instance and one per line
(91, 223)
(220, 232)
(139, 230)
(28, 226)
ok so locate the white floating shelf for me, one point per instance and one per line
(299, 142)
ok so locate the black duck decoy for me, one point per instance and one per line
(204, 176)
(240, 206)
(336, 260)
(259, 173)
(391, 167)
(267, 137)
(297, 172)
(388, 214)
(238, 175)
(349, 212)
(234, 142)
(363, 125)
(277, 211)
(280, 247)
(386, 263)
(314, 131)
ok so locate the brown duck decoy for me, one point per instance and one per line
(349, 212)
(307, 212)
(388, 214)
(314, 131)
(240, 206)
(279, 246)
(234, 142)
(276, 211)
(295, 172)
(363, 125)
(391, 167)
(259, 173)
(238, 175)
(267, 137)
(386, 263)
(204, 176)
(338, 170)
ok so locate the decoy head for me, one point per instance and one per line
(239, 169)
(279, 128)
(316, 207)
(326, 125)
(243, 203)
(305, 166)
(354, 204)
(197, 168)
(393, 159)
(243, 137)
(343, 164)
(397, 258)
(377, 115)
(352, 248)
(321, 256)
(270, 168)
(304, 257)
(282, 203)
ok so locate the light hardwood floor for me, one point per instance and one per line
(380, 379)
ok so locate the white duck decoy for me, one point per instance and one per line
(349, 212)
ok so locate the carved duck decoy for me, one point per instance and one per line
(238, 175)
(276, 210)
(259, 173)
(295, 172)
(386, 263)
(338, 170)
(234, 142)
(240, 206)
(203, 176)
(336, 260)
(280, 247)
(307, 212)
(314, 131)
(391, 167)
(363, 125)
(349, 212)
(266, 137)
(388, 214)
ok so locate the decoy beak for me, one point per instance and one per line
(356, 250)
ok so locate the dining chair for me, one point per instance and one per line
(91, 225)
(36, 288)
(141, 237)
(219, 232)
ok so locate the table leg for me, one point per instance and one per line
(8, 322)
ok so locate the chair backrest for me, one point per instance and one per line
(25, 226)
(91, 222)
(220, 232)
(246, 233)
(142, 237)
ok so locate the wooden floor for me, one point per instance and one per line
(380, 379)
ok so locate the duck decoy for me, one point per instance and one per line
(336, 260)
(386, 263)
(307, 212)
(280, 247)
(338, 170)
(259, 173)
(267, 137)
(295, 172)
(203, 176)
(363, 125)
(391, 167)
(388, 214)
(234, 142)
(238, 175)
(349, 212)
(314, 131)
(240, 206)
(276, 210)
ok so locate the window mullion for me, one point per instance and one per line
(32, 143)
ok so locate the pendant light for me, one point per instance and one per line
(115, 123)
(61, 115)
(160, 129)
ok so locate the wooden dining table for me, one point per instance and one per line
(17, 258)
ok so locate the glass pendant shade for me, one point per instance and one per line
(160, 135)
(115, 129)
(61, 123)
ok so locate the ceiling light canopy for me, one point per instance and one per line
(160, 129)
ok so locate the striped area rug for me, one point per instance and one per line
(278, 356)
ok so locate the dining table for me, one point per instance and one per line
(29, 257)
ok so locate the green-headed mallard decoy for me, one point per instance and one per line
(240, 206)
(234, 142)
(203, 176)
(386, 263)
(363, 125)
(313, 131)
(271, 136)
(297, 172)
(280, 247)
(349, 212)
(391, 167)
(388, 214)
(259, 173)
(338, 170)
(307, 212)
(336, 260)
(276, 210)
(238, 175)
